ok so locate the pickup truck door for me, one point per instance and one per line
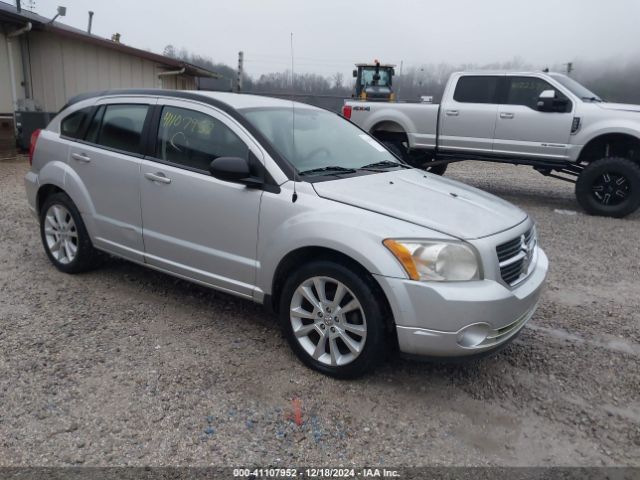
(522, 130)
(468, 117)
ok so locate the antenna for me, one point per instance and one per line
(294, 197)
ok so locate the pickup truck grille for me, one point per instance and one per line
(515, 257)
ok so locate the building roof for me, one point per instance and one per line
(9, 14)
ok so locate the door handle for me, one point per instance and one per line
(452, 113)
(157, 177)
(81, 157)
(506, 115)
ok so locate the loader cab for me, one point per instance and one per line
(374, 82)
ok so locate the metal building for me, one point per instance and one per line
(43, 63)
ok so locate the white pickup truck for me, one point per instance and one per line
(545, 120)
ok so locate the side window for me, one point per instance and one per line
(476, 89)
(526, 90)
(94, 127)
(73, 124)
(118, 126)
(193, 139)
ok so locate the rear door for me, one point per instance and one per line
(196, 225)
(107, 160)
(468, 117)
(524, 131)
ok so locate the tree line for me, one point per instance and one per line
(615, 80)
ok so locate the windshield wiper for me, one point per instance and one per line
(385, 164)
(592, 99)
(328, 170)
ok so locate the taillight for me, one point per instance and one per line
(32, 144)
(346, 111)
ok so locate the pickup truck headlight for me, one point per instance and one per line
(437, 261)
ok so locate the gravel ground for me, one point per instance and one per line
(126, 366)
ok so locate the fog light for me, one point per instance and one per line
(473, 335)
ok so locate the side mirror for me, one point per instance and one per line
(355, 73)
(547, 102)
(230, 168)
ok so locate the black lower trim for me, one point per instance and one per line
(450, 157)
(267, 303)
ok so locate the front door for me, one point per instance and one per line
(195, 225)
(468, 119)
(524, 131)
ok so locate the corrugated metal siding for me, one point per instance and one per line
(62, 68)
(6, 99)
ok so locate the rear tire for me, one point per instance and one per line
(332, 319)
(64, 236)
(609, 187)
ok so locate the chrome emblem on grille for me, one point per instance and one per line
(528, 253)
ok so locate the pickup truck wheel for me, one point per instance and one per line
(609, 187)
(416, 159)
(332, 319)
(422, 160)
(397, 149)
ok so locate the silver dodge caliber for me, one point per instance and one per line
(293, 207)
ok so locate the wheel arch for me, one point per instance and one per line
(611, 144)
(389, 130)
(307, 254)
(44, 192)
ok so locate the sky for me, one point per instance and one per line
(332, 35)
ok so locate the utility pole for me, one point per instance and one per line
(569, 68)
(400, 79)
(240, 72)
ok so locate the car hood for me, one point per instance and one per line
(424, 199)
(624, 107)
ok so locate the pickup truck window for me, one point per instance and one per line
(526, 91)
(476, 89)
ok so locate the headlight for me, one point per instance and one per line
(435, 260)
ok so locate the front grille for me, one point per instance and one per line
(515, 256)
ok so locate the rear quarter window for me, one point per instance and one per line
(73, 125)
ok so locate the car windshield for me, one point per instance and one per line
(317, 142)
(576, 88)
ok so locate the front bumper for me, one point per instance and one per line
(461, 318)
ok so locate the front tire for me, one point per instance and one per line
(64, 236)
(332, 320)
(609, 187)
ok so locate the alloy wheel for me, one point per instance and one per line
(61, 234)
(328, 321)
(610, 188)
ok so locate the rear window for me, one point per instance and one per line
(480, 89)
(73, 124)
(118, 127)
